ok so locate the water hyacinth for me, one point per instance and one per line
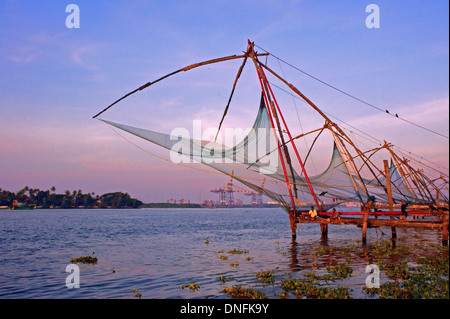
(235, 251)
(84, 260)
(429, 280)
(237, 292)
(304, 288)
(192, 286)
(266, 276)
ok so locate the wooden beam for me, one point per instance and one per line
(445, 230)
(365, 224)
(389, 193)
(186, 68)
(426, 224)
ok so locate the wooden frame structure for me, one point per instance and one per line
(418, 186)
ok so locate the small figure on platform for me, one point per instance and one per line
(403, 208)
(312, 213)
(335, 214)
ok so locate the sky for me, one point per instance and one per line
(53, 79)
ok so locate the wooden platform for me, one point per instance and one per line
(438, 221)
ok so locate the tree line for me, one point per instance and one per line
(69, 199)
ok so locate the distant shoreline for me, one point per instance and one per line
(146, 205)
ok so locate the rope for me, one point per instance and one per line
(354, 97)
(374, 139)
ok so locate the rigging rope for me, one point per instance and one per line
(352, 96)
(374, 139)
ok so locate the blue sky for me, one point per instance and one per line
(54, 79)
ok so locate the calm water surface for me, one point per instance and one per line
(158, 250)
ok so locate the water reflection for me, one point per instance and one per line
(294, 264)
(157, 251)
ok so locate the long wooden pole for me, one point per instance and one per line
(365, 224)
(341, 132)
(445, 230)
(288, 184)
(389, 192)
(186, 68)
(232, 92)
(397, 162)
(290, 138)
(338, 145)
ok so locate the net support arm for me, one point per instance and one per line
(186, 68)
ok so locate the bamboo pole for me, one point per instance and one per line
(437, 198)
(263, 79)
(186, 68)
(365, 224)
(425, 224)
(445, 230)
(340, 131)
(389, 192)
(338, 144)
(232, 92)
(324, 230)
(289, 134)
(417, 181)
(397, 162)
(292, 212)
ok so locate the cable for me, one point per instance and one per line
(374, 139)
(352, 96)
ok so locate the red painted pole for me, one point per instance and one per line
(278, 144)
(291, 140)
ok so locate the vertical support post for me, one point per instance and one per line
(324, 229)
(445, 230)
(389, 193)
(293, 223)
(437, 198)
(364, 226)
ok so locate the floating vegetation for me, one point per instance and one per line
(207, 240)
(266, 277)
(192, 286)
(319, 251)
(136, 292)
(237, 292)
(313, 285)
(84, 260)
(341, 271)
(404, 275)
(383, 249)
(429, 280)
(304, 288)
(237, 251)
(314, 278)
